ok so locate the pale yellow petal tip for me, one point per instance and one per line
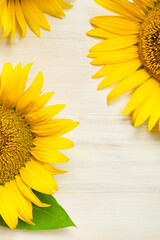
(137, 124)
(89, 33)
(29, 65)
(76, 124)
(63, 172)
(95, 76)
(40, 75)
(31, 223)
(88, 55)
(92, 20)
(150, 127)
(11, 40)
(94, 62)
(100, 86)
(45, 205)
(12, 225)
(109, 100)
(48, 28)
(22, 36)
(52, 93)
(63, 106)
(125, 112)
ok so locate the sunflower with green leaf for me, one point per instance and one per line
(30, 139)
(130, 56)
(17, 14)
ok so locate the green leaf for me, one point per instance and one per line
(53, 217)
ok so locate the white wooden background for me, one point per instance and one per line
(112, 190)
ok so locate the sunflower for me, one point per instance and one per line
(29, 142)
(18, 13)
(130, 55)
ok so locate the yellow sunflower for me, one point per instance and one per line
(18, 13)
(29, 141)
(130, 55)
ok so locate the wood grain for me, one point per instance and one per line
(112, 188)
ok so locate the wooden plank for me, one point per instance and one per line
(104, 216)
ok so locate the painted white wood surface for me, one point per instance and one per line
(112, 188)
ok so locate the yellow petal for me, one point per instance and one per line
(56, 127)
(98, 32)
(7, 69)
(27, 192)
(155, 115)
(6, 18)
(50, 7)
(149, 3)
(115, 43)
(7, 208)
(30, 16)
(15, 84)
(116, 25)
(12, 9)
(31, 93)
(44, 114)
(23, 205)
(119, 72)
(52, 170)
(106, 69)
(35, 176)
(56, 143)
(48, 155)
(9, 91)
(136, 112)
(128, 83)
(141, 5)
(117, 56)
(140, 94)
(38, 103)
(148, 107)
(20, 18)
(122, 7)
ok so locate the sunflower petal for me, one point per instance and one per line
(44, 114)
(23, 205)
(119, 72)
(128, 83)
(7, 208)
(48, 155)
(155, 114)
(56, 127)
(147, 109)
(38, 103)
(113, 57)
(139, 95)
(27, 192)
(35, 176)
(116, 25)
(98, 32)
(122, 7)
(57, 143)
(31, 93)
(115, 43)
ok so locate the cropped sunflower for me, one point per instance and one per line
(18, 13)
(130, 55)
(29, 142)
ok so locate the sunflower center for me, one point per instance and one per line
(16, 141)
(149, 42)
